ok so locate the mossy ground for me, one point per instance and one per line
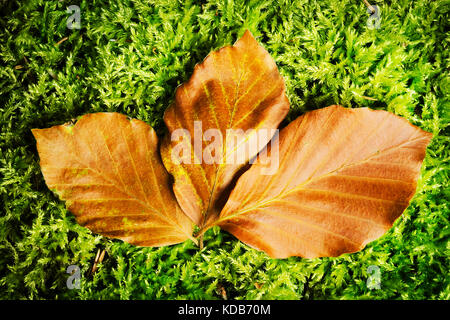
(130, 55)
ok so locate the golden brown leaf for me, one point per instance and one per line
(344, 177)
(236, 87)
(109, 171)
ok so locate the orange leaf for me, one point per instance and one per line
(109, 171)
(236, 87)
(344, 177)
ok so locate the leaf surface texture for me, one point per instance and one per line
(236, 87)
(344, 177)
(109, 171)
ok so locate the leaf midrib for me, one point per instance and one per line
(132, 197)
(311, 180)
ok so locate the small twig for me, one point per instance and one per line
(98, 259)
(369, 6)
(221, 290)
(369, 98)
(62, 40)
(95, 261)
(102, 256)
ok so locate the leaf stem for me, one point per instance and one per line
(201, 232)
(200, 242)
(369, 6)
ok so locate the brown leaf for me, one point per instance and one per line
(109, 171)
(344, 177)
(236, 87)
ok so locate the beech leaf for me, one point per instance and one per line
(344, 177)
(109, 171)
(236, 87)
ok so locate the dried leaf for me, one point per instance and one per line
(236, 87)
(344, 177)
(109, 171)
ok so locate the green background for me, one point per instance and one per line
(130, 55)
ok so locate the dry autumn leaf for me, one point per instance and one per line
(109, 171)
(345, 176)
(236, 87)
(342, 176)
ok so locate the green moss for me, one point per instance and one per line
(130, 55)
